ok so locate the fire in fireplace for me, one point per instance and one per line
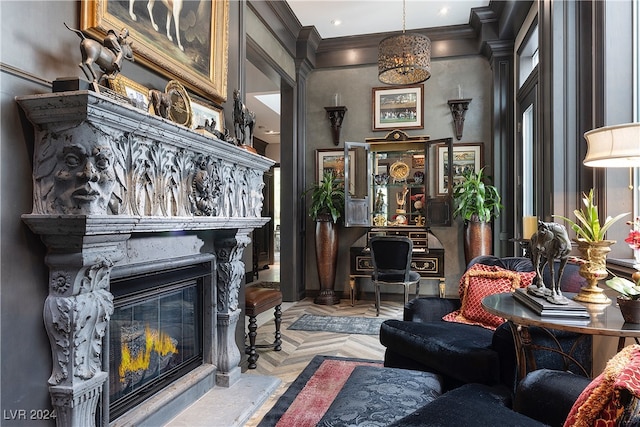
(155, 333)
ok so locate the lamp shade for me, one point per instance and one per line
(404, 59)
(613, 146)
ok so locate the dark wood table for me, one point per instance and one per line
(604, 320)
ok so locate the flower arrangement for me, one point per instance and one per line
(633, 239)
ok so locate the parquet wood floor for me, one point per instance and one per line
(299, 347)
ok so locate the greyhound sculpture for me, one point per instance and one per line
(549, 243)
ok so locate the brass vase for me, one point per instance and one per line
(477, 239)
(326, 260)
(594, 269)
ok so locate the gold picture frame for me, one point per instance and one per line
(201, 64)
(137, 94)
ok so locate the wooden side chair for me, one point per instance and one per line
(258, 300)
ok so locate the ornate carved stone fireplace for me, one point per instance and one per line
(118, 190)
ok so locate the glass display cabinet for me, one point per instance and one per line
(402, 186)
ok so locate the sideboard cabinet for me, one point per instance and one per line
(402, 185)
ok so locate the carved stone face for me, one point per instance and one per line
(84, 177)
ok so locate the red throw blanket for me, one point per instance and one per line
(600, 404)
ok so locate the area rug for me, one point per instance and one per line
(310, 395)
(338, 324)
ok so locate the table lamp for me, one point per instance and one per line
(607, 147)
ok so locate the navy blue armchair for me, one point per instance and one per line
(463, 353)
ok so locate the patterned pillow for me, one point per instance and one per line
(480, 281)
(611, 399)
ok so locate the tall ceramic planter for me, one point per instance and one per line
(594, 269)
(477, 239)
(326, 260)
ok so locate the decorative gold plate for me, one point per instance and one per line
(180, 111)
(399, 171)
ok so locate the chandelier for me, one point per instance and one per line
(404, 59)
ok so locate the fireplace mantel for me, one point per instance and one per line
(104, 172)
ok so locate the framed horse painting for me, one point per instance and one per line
(398, 107)
(191, 47)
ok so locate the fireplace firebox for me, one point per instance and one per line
(155, 333)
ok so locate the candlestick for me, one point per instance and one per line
(529, 226)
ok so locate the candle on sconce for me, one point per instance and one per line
(337, 99)
(529, 226)
(459, 91)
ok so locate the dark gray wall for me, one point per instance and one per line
(355, 87)
(35, 49)
(44, 49)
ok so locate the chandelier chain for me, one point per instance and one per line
(404, 13)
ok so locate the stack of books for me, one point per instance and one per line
(544, 308)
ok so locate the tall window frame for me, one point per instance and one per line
(528, 148)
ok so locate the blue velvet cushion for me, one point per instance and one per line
(375, 396)
(462, 352)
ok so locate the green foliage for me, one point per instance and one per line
(624, 287)
(588, 227)
(327, 198)
(475, 199)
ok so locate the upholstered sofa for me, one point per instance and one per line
(377, 397)
(465, 353)
(543, 398)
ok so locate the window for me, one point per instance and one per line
(528, 56)
(636, 101)
(527, 118)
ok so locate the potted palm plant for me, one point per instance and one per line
(590, 237)
(477, 203)
(327, 207)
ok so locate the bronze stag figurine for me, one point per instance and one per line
(108, 55)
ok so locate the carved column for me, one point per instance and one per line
(229, 250)
(76, 313)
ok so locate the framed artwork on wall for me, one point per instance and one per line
(398, 107)
(195, 55)
(466, 157)
(333, 160)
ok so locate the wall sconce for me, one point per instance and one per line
(459, 108)
(336, 116)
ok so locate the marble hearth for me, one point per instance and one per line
(116, 190)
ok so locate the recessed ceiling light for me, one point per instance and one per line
(336, 22)
(444, 11)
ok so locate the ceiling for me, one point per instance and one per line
(355, 17)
